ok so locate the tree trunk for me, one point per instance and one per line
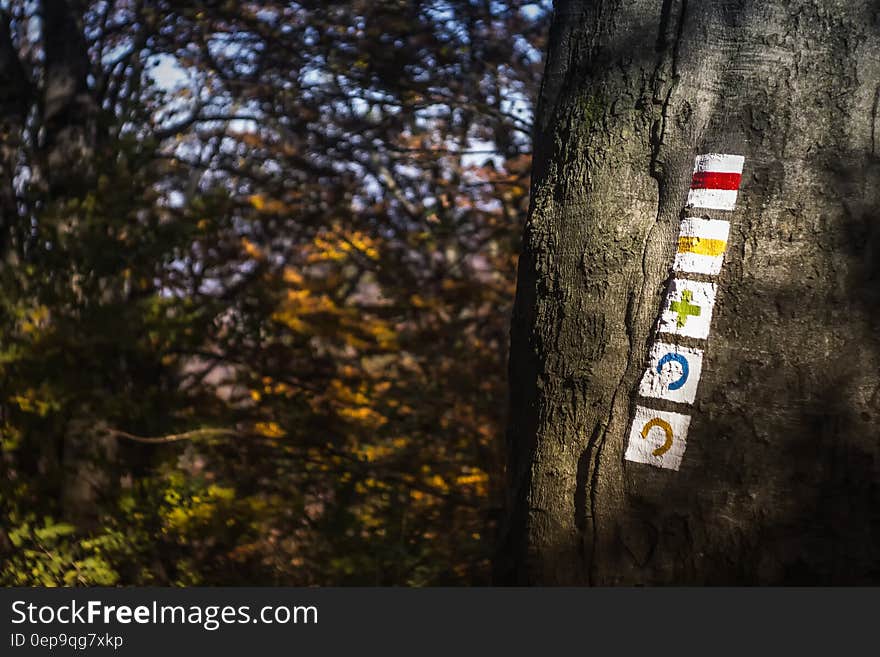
(14, 98)
(69, 107)
(70, 136)
(778, 480)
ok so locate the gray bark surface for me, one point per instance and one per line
(779, 483)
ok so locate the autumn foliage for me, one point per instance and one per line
(254, 329)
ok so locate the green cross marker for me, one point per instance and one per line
(684, 308)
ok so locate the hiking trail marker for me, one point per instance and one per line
(715, 183)
(688, 308)
(701, 246)
(673, 373)
(659, 437)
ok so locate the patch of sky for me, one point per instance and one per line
(527, 49)
(536, 10)
(479, 152)
(167, 73)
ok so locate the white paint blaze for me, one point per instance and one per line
(701, 245)
(714, 198)
(719, 163)
(688, 308)
(673, 373)
(658, 438)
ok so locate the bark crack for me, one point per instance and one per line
(874, 109)
(667, 59)
(597, 441)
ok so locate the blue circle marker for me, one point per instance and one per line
(685, 369)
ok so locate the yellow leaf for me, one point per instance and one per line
(269, 429)
(252, 249)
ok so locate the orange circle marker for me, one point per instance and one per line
(667, 429)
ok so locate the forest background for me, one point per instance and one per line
(258, 260)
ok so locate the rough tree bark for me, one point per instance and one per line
(780, 481)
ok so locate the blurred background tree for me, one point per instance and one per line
(257, 264)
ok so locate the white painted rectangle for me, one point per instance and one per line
(705, 231)
(673, 373)
(658, 438)
(687, 309)
(719, 163)
(720, 176)
(713, 199)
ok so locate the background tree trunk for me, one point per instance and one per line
(69, 114)
(779, 482)
(69, 107)
(14, 97)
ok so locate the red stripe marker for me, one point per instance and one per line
(716, 181)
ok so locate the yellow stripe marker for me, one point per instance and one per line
(701, 245)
